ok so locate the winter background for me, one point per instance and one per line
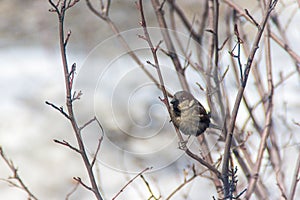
(114, 89)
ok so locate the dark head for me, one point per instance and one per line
(182, 96)
(178, 98)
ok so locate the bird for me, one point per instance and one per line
(188, 114)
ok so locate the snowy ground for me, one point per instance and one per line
(124, 100)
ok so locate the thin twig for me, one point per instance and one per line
(268, 122)
(169, 44)
(149, 188)
(97, 151)
(185, 182)
(240, 95)
(72, 191)
(60, 109)
(281, 43)
(274, 150)
(156, 64)
(16, 176)
(185, 21)
(60, 10)
(65, 143)
(88, 123)
(132, 54)
(130, 181)
(296, 178)
(78, 179)
(206, 164)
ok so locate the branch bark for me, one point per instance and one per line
(60, 10)
(229, 138)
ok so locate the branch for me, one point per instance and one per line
(156, 64)
(268, 122)
(169, 44)
(280, 42)
(274, 151)
(65, 143)
(72, 191)
(185, 182)
(123, 42)
(16, 176)
(60, 8)
(296, 178)
(130, 181)
(206, 164)
(78, 179)
(240, 95)
(185, 21)
(149, 188)
(60, 109)
(97, 151)
(89, 122)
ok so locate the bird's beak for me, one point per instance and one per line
(173, 101)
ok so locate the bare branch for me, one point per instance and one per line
(123, 42)
(16, 176)
(78, 179)
(185, 182)
(203, 162)
(171, 49)
(268, 122)
(296, 178)
(60, 109)
(285, 46)
(97, 151)
(252, 19)
(88, 123)
(154, 51)
(130, 181)
(187, 24)
(65, 143)
(72, 191)
(239, 98)
(149, 188)
(69, 76)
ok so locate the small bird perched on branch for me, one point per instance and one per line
(188, 115)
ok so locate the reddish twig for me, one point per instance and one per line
(16, 176)
(156, 65)
(206, 164)
(130, 181)
(228, 142)
(78, 179)
(60, 8)
(268, 122)
(103, 14)
(186, 181)
(165, 100)
(274, 150)
(65, 143)
(283, 45)
(97, 151)
(169, 44)
(89, 122)
(185, 21)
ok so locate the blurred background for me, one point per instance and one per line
(116, 91)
